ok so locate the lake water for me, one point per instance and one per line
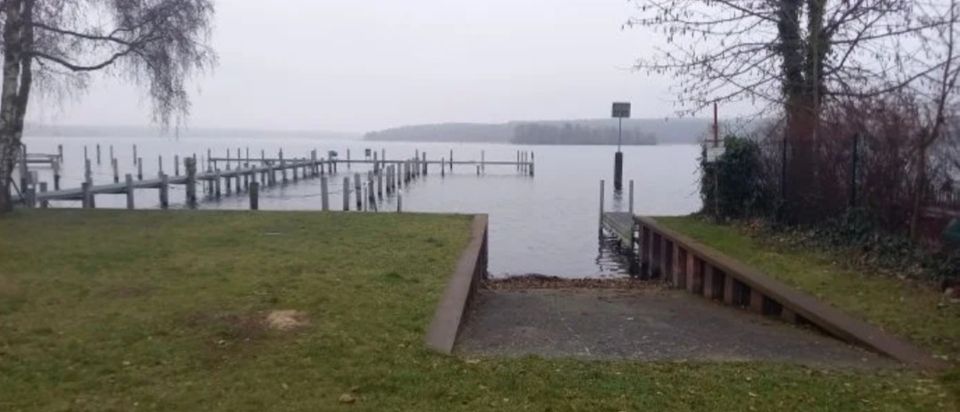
(543, 224)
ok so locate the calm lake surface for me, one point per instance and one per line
(543, 224)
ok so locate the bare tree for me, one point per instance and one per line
(158, 44)
(795, 55)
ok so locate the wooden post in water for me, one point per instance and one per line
(324, 194)
(43, 189)
(371, 193)
(399, 201)
(116, 170)
(631, 197)
(254, 196)
(425, 164)
(356, 188)
(60, 152)
(348, 159)
(56, 176)
(380, 183)
(139, 169)
(87, 200)
(601, 207)
(87, 171)
(283, 167)
(135, 155)
(176, 165)
(159, 164)
(531, 163)
(345, 190)
(164, 191)
(443, 172)
(98, 154)
(216, 184)
(190, 164)
(483, 161)
(129, 190)
(86, 156)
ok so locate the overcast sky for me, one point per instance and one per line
(351, 65)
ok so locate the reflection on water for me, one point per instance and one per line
(544, 224)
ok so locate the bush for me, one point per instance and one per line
(732, 187)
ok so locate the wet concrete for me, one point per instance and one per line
(652, 324)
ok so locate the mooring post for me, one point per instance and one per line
(346, 193)
(116, 170)
(43, 189)
(283, 167)
(426, 169)
(60, 152)
(376, 167)
(631, 197)
(128, 190)
(164, 191)
(380, 184)
(532, 163)
(618, 171)
(112, 157)
(135, 154)
(216, 184)
(139, 169)
(85, 155)
(371, 194)
(443, 172)
(176, 165)
(324, 194)
(98, 154)
(190, 164)
(227, 183)
(601, 207)
(56, 176)
(87, 196)
(483, 161)
(254, 196)
(356, 188)
(478, 170)
(348, 159)
(159, 164)
(87, 172)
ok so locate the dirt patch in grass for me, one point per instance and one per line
(287, 320)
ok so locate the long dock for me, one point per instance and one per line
(247, 175)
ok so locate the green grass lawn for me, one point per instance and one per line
(115, 310)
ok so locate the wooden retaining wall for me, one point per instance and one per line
(470, 270)
(688, 264)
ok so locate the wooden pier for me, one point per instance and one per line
(249, 175)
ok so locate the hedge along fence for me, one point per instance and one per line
(688, 264)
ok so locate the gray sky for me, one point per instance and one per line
(350, 65)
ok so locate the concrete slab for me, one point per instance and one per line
(651, 324)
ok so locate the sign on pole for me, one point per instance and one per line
(621, 110)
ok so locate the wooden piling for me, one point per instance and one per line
(324, 194)
(139, 169)
(164, 191)
(356, 187)
(190, 164)
(216, 184)
(400, 201)
(43, 189)
(86, 156)
(380, 184)
(116, 170)
(254, 196)
(87, 201)
(531, 164)
(176, 165)
(601, 207)
(631, 197)
(129, 190)
(98, 154)
(87, 171)
(345, 190)
(135, 157)
(348, 159)
(56, 176)
(443, 172)
(159, 164)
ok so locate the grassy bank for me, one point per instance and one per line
(108, 310)
(915, 311)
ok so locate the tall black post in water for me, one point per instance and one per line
(621, 110)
